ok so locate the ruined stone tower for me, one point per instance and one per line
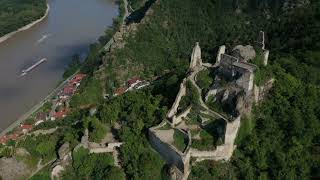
(196, 56)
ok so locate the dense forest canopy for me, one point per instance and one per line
(15, 14)
(280, 140)
(283, 140)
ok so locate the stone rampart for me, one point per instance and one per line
(223, 152)
(168, 152)
(182, 92)
(222, 50)
(246, 82)
(176, 119)
(101, 150)
(265, 57)
(196, 56)
(231, 131)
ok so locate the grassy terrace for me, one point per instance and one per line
(209, 136)
(205, 79)
(180, 140)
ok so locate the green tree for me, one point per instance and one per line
(114, 173)
(97, 130)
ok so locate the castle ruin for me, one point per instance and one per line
(240, 92)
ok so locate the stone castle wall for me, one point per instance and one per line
(182, 92)
(222, 50)
(196, 57)
(167, 151)
(246, 82)
(176, 119)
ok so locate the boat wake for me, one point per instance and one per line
(24, 72)
(43, 38)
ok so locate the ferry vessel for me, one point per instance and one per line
(25, 71)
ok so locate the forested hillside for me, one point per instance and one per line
(15, 14)
(281, 140)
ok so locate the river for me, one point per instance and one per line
(71, 26)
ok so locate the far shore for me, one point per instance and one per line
(26, 27)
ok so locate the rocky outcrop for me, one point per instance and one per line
(64, 150)
(261, 91)
(12, 169)
(21, 152)
(56, 172)
(244, 53)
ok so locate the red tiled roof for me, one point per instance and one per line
(80, 76)
(26, 126)
(133, 80)
(60, 114)
(73, 81)
(4, 139)
(77, 78)
(69, 90)
(120, 90)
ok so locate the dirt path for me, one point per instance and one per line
(40, 167)
(192, 79)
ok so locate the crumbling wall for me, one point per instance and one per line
(196, 56)
(231, 131)
(222, 50)
(223, 152)
(265, 57)
(176, 119)
(246, 82)
(110, 148)
(167, 152)
(182, 92)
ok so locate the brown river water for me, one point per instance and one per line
(71, 26)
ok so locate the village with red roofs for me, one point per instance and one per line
(59, 105)
(58, 109)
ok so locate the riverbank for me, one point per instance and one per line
(26, 27)
(57, 89)
(37, 106)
